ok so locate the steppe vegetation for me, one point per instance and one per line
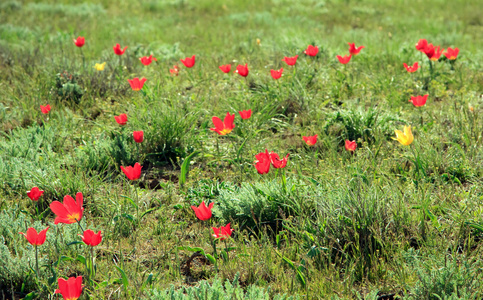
(352, 214)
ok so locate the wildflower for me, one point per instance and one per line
(437, 53)
(451, 54)
(290, 60)
(310, 140)
(412, 69)
(225, 68)
(312, 50)
(202, 212)
(262, 164)
(70, 211)
(222, 233)
(278, 163)
(121, 119)
(138, 136)
(350, 146)
(132, 173)
(421, 45)
(34, 238)
(80, 41)
(259, 42)
(433, 53)
(405, 138)
(419, 101)
(100, 67)
(225, 127)
(92, 239)
(353, 50)
(136, 83)
(276, 74)
(174, 71)
(35, 193)
(45, 109)
(147, 60)
(245, 114)
(344, 59)
(188, 62)
(70, 289)
(242, 70)
(117, 49)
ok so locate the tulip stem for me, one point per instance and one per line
(284, 181)
(82, 229)
(215, 255)
(218, 146)
(37, 261)
(226, 251)
(316, 161)
(93, 272)
(83, 60)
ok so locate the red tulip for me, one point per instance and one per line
(353, 50)
(421, 45)
(225, 127)
(79, 42)
(290, 60)
(222, 233)
(34, 238)
(117, 49)
(433, 53)
(35, 193)
(188, 62)
(451, 54)
(225, 68)
(132, 173)
(278, 163)
(70, 211)
(344, 59)
(437, 53)
(70, 289)
(121, 119)
(276, 74)
(310, 140)
(419, 101)
(312, 50)
(262, 164)
(174, 71)
(202, 212)
(138, 136)
(45, 109)
(412, 69)
(242, 70)
(245, 114)
(350, 146)
(147, 60)
(136, 83)
(92, 239)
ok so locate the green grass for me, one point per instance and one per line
(388, 221)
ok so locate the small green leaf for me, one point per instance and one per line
(147, 212)
(81, 259)
(125, 281)
(211, 258)
(474, 225)
(185, 168)
(74, 243)
(130, 200)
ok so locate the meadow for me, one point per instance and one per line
(334, 178)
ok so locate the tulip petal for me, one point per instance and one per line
(70, 204)
(218, 123)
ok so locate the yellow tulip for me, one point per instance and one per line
(100, 67)
(406, 137)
